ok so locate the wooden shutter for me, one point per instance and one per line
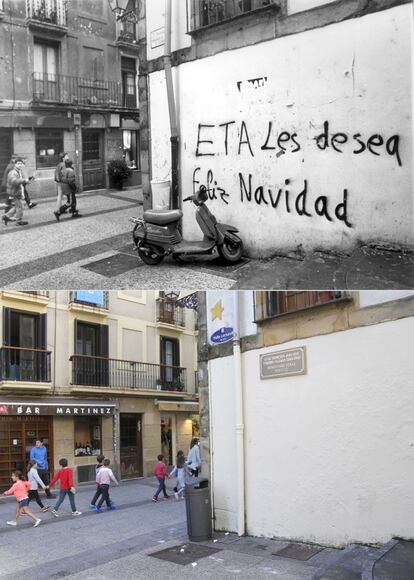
(6, 326)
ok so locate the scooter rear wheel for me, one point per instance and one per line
(231, 251)
(151, 258)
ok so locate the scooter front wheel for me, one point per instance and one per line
(150, 256)
(230, 250)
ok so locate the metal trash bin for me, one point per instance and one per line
(198, 507)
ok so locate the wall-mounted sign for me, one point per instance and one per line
(221, 335)
(220, 317)
(283, 363)
(64, 410)
(157, 37)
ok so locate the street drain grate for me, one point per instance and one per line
(184, 554)
(114, 265)
(298, 551)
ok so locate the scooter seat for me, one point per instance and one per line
(162, 217)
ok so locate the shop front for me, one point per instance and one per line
(77, 430)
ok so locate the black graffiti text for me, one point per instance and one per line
(214, 191)
(375, 144)
(283, 197)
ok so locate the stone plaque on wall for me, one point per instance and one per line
(283, 363)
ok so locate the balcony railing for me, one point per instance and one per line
(204, 13)
(47, 11)
(169, 313)
(24, 364)
(52, 88)
(44, 293)
(95, 371)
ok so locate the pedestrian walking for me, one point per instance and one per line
(35, 480)
(98, 492)
(65, 475)
(20, 489)
(60, 173)
(9, 200)
(179, 471)
(104, 478)
(15, 191)
(161, 473)
(69, 188)
(38, 453)
(194, 459)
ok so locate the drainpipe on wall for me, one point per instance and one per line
(171, 107)
(238, 383)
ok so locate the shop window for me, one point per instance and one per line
(88, 436)
(131, 148)
(49, 144)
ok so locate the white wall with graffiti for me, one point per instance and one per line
(303, 140)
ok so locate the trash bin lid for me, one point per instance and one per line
(197, 482)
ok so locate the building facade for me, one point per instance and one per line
(310, 410)
(68, 82)
(301, 141)
(96, 372)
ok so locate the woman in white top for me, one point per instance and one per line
(194, 459)
(35, 480)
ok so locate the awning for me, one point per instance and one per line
(59, 407)
(183, 406)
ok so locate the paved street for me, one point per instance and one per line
(96, 251)
(122, 544)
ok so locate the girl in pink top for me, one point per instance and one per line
(20, 489)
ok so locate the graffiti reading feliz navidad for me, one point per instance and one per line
(215, 140)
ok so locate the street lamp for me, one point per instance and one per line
(124, 10)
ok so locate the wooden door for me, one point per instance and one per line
(92, 159)
(17, 437)
(131, 445)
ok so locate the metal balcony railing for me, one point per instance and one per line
(169, 313)
(24, 364)
(44, 293)
(48, 11)
(203, 13)
(53, 88)
(96, 371)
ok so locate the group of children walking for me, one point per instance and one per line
(26, 491)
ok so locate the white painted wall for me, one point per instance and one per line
(332, 451)
(302, 5)
(372, 297)
(155, 13)
(329, 74)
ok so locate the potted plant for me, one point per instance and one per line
(118, 171)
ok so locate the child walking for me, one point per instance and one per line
(160, 472)
(103, 479)
(20, 490)
(179, 471)
(65, 476)
(35, 481)
(98, 492)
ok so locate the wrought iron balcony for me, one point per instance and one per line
(51, 88)
(203, 13)
(96, 371)
(169, 313)
(44, 293)
(47, 11)
(24, 364)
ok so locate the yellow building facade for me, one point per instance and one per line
(92, 373)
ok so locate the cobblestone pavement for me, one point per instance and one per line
(96, 251)
(126, 543)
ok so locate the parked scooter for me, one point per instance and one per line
(157, 235)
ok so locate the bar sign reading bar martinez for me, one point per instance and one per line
(283, 363)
